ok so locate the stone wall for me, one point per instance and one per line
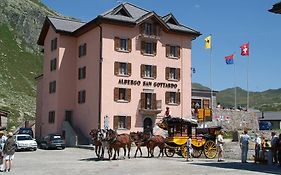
(232, 120)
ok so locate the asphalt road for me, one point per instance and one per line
(77, 161)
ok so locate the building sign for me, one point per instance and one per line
(147, 83)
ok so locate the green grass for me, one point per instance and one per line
(17, 83)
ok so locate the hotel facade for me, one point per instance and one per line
(120, 70)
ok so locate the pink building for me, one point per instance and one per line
(120, 70)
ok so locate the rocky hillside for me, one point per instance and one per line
(20, 58)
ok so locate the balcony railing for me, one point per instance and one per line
(154, 108)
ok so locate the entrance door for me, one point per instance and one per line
(68, 117)
(147, 126)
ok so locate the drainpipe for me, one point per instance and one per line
(100, 79)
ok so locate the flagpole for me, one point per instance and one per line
(248, 80)
(235, 90)
(211, 89)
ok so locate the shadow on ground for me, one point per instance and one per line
(270, 169)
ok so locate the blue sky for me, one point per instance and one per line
(231, 23)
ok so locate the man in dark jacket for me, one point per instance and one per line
(9, 151)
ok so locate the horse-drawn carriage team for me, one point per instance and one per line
(180, 131)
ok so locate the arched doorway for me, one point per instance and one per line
(147, 125)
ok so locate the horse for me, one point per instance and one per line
(105, 142)
(154, 141)
(137, 138)
(94, 134)
(118, 141)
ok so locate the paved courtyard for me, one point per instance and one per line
(83, 162)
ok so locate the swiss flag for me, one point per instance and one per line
(245, 49)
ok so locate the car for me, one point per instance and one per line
(265, 125)
(25, 142)
(52, 141)
(26, 131)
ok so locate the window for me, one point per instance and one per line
(172, 98)
(172, 74)
(122, 95)
(82, 73)
(82, 50)
(206, 103)
(52, 117)
(81, 96)
(148, 28)
(122, 44)
(148, 101)
(52, 87)
(123, 69)
(54, 44)
(148, 71)
(172, 51)
(148, 48)
(122, 122)
(53, 64)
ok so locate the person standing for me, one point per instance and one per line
(257, 146)
(274, 142)
(220, 143)
(3, 139)
(244, 145)
(279, 149)
(9, 151)
(189, 149)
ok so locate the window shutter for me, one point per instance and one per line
(56, 43)
(129, 69)
(154, 29)
(178, 98)
(85, 49)
(167, 97)
(142, 47)
(84, 71)
(142, 100)
(142, 28)
(52, 45)
(79, 73)
(154, 104)
(168, 50)
(115, 122)
(179, 51)
(142, 70)
(116, 68)
(167, 72)
(116, 94)
(116, 43)
(128, 95)
(129, 45)
(154, 71)
(178, 74)
(128, 122)
(79, 51)
(154, 48)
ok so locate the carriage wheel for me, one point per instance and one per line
(184, 153)
(210, 149)
(170, 152)
(196, 152)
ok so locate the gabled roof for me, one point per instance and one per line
(170, 19)
(60, 25)
(276, 8)
(124, 13)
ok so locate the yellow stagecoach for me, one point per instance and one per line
(179, 130)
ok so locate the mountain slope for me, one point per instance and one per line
(20, 59)
(269, 100)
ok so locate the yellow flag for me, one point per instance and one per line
(208, 42)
